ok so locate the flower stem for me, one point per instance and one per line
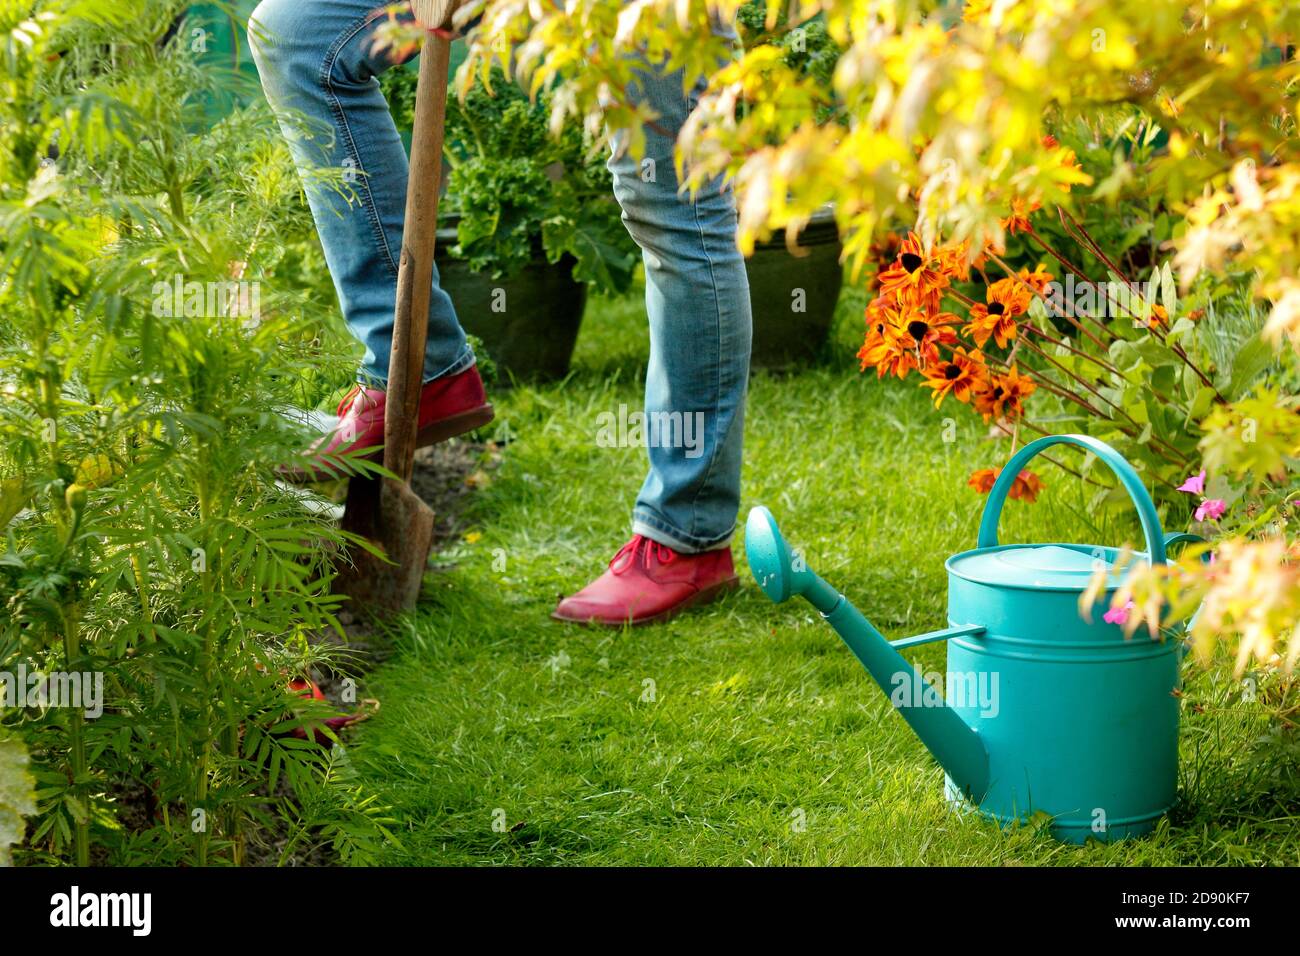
(1080, 235)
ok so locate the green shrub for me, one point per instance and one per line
(157, 326)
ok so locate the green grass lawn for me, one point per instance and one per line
(744, 732)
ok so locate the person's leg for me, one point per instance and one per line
(320, 73)
(697, 301)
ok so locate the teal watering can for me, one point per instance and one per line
(1042, 711)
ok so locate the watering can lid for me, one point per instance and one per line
(1055, 567)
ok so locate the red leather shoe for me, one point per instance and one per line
(648, 581)
(449, 406)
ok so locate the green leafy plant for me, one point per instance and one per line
(807, 50)
(155, 340)
(17, 796)
(516, 192)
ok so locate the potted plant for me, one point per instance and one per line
(794, 296)
(530, 224)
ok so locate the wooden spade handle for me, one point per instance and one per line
(415, 270)
(434, 13)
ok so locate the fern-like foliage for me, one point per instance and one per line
(165, 308)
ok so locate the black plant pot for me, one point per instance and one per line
(528, 322)
(793, 297)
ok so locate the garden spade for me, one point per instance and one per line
(385, 511)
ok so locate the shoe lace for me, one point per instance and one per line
(348, 399)
(662, 552)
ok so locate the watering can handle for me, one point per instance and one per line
(988, 535)
(1186, 537)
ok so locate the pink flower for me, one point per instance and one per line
(1194, 485)
(1211, 509)
(1118, 615)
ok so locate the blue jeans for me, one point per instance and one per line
(320, 74)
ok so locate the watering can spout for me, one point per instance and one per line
(782, 573)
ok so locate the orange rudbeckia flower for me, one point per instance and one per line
(915, 277)
(923, 333)
(1037, 280)
(1018, 221)
(1013, 292)
(886, 347)
(955, 261)
(1026, 487)
(996, 318)
(1002, 396)
(957, 376)
(982, 480)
